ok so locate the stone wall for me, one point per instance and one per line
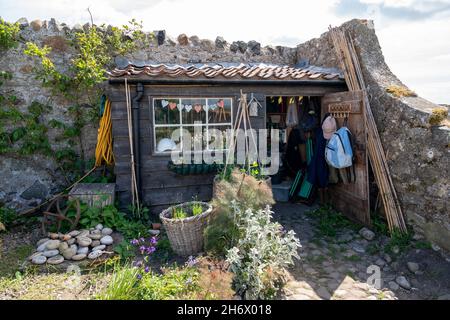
(25, 181)
(417, 151)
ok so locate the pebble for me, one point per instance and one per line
(100, 247)
(396, 249)
(107, 231)
(34, 255)
(69, 253)
(42, 247)
(83, 250)
(42, 241)
(387, 258)
(393, 285)
(107, 240)
(50, 253)
(413, 266)
(74, 233)
(358, 248)
(83, 233)
(403, 282)
(65, 237)
(95, 236)
(78, 257)
(154, 232)
(56, 259)
(53, 244)
(367, 234)
(71, 241)
(95, 243)
(95, 254)
(99, 226)
(39, 259)
(53, 235)
(84, 241)
(435, 247)
(380, 262)
(63, 246)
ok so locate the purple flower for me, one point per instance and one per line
(139, 276)
(134, 242)
(153, 240)
(147, 269)
(191, 261)
(142, 249)
(150, 250)
(142, 240)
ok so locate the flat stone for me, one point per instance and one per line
(79, 257)
(254, 47)
(444, 297)
(83, 250)
(84, 241)
(42, 241)
(367, 234)
(56, 259)
(380, 262)
(95, 254)
(107, 240)
(107, 231)
(154, 232)
(413, 266)
(220, 43)
(65, 237)
(95, 243)
(99, 227)
(95, 236)
(323, 293)
(53, 244)
(39, 259)
(387, 258)
(53, 235)
(42, 247)
(36, 25)
(435, 247)
(34, 255)
(71, 241)
(100, 247)
(395, 249)
(63, 246)
(183, 40)
(358, 248)
(35, 191)
(50, 253)
(74, 233)
(403, 282)
(69, 253)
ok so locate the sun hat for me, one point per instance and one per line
(329, 127)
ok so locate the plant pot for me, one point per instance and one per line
(186, 235)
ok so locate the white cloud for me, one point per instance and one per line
(417, 52)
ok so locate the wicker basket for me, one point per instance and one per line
(186, 235)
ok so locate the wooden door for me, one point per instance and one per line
(352, 199)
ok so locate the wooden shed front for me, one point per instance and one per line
(151, 85)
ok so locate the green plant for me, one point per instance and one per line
(125, 250)
(243, 191)
(258, 259)
(197, 209)
(8, 34)
(179, 213)
(398, 239)
(123, 285)
(7, 216)
(330, 221)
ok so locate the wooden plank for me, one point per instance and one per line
(352, 199)
(170, 196)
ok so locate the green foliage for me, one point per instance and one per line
(124, 40)
(243, 191)
(131, 283)
(7, 216)
(262, 252)
(125, 250)
(8, 34)
(197, 209)
(179, 213)
(12, 259)
(399, 240)
(330, 221)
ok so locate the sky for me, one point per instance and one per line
(414, 35)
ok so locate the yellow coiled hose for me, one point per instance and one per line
(104, 150)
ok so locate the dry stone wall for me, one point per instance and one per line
(417, 149)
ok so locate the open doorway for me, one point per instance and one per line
(296, 118)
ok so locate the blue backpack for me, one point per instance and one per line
(339, 150)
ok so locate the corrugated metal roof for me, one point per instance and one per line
(250, 71)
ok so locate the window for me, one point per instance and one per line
(201, 117)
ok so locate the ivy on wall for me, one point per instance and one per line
(26, 133)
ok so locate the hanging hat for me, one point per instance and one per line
(329, 127)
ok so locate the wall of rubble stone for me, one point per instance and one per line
(417, 150)
(25, 181)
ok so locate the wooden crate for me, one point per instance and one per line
(94, 194)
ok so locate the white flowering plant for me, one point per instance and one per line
(262, 253)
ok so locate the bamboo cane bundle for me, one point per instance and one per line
(350, 65)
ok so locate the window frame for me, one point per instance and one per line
(181, 125)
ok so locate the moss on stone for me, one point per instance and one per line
(437, 116)
(400, 91)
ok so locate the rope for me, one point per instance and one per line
(104, 150)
